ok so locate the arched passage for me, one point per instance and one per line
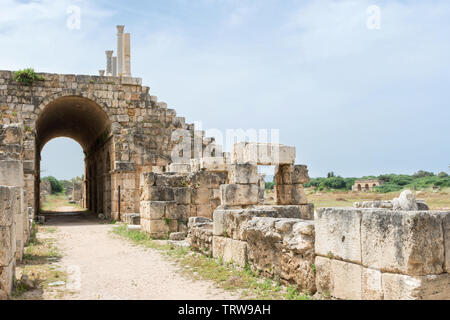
(86, 122)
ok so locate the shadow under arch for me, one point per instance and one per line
(86, 121)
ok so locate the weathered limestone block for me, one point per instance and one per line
(374, 204)
(404, 287)
(290, 194)
(180, 212)
(177, 236)
(445, 216)
(159, 194)
(303, 211)
(6, 280)
(230, 251)
(156, 228)
(147, 181)
(204, 210)
(243, 173)
(239, 194)
(371, 286)
(195, 165)
(201, 195)
(182, 195)
(7, 206)
(282, 247)
(338, 233)
(200, 234)
(7, 247)
(291, 174)
(172, 180)
(407, 242)
(154, 210)
(180, 167)
(232, 222)
(11, 173)
(263, 153)
(346, 279)
(214, 164)
(133, 218)
(323, 275)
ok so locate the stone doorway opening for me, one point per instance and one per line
(86, 122)
(62, 176)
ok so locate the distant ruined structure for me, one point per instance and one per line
(145, 165)
(365, 185)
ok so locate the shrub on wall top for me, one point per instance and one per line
(27, 76)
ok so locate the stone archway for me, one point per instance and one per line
(86, 122)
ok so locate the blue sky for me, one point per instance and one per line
(352, 100)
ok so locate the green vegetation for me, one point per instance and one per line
(27, 76)
(57, 186)
(270, 185)
(391, 182)
(227, 276)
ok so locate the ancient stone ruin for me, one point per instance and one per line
(365, 185)
(145, 166)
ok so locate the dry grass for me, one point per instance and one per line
(54, 202)
(40, 265)
(436, 200)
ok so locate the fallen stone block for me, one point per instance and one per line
(177, 236)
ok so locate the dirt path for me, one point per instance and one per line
(112, 268)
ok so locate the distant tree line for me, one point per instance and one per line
(390, 182)
(59, 186)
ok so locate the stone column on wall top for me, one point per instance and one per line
(126, 55)
(109, 54)
(120, 49)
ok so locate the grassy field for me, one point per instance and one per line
(59, 202)
(439, 200)
(436, 200)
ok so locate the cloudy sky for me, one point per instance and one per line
(352, 99)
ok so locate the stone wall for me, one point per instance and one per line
(168, 200)
(14, 219)
(200, 236)
(77, 193)
(382, 253)
(127, 132)
(276, 241)
(45, 190)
